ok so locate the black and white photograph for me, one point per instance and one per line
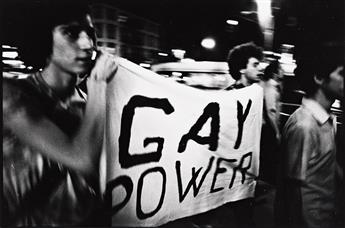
(173, 113)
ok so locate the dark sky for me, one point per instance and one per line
(171, 9)
(185, 22)
(300, 22)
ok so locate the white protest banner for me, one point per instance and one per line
(174, 151)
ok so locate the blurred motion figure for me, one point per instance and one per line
(271, 83)
(52, 136)
(306, 190)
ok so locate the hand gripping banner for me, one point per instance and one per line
(172, 151)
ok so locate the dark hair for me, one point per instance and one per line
(239, 55)
(271, 69)
(320, 62)
(42, 16)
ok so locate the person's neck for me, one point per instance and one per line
(61, 82)
(325, 101)
(244, 81)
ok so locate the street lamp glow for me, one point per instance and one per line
(208, 43)
(232, 22)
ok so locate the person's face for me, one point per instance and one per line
(253, 70)
(334, 87)
(72, 48)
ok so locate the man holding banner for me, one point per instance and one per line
(52, 137)
(179, 151)
(170, 151)
(244, 65)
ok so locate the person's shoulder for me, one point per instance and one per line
(301, 120)
(19, 83)
(236, 85)
(11, 96)
(16, 93)
(11, 87)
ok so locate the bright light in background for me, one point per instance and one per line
(264, 12)
(187, 60)
(263, 65)
(13, 62)
(287, 53)
(246, 12)
(286, 59)
(208, 43)
(268, 52)
(178, 53)
(232, 22)
(162, 54)
(176, 74)
(146, 65)
(10, 54)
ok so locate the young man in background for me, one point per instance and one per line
(307, 189)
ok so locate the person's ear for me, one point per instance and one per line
(242, 71)
(318, 80)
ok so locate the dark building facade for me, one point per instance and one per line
(125, 34)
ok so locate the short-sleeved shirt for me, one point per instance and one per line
(36, 190)
(309, 166)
